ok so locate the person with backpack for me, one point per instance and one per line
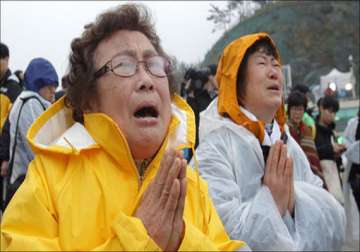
(41, 81)
(9, 90)
(9, 85)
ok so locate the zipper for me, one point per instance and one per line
(142, 172)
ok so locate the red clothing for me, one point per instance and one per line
(303, 136)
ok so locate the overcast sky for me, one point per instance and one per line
(46, 28)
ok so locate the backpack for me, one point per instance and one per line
(12, 187)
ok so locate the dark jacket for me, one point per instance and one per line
(5, 141)
(198, 103)
(324, 139)
(9, 91)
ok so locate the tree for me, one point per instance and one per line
(235, 8)
(220, 17)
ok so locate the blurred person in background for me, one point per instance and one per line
(40, 82)
(307, 117)
(108, 174)
(201, 89)
(352, 183)
(302, 133)
(9, 91)
(329, 150)
(64, 85)
(259, 177)
(9, 85)
(20, 75)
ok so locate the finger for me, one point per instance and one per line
(178, 217)
(288, 170)
(181, 203)
(290, 180)
(172, 201)
(290, 164)
(273, 157)
(269, 160)
(173, 174)
(183, 167)
(282, 160)
(160, 178)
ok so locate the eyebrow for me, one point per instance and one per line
(146, 54)
(264, 56)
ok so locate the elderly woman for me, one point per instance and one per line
(259, 177)
(109, 179)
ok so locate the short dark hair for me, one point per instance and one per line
(301, 88)
(82, 83)
(4, 51)
(329, 102)
(269, 48)
(296, 98)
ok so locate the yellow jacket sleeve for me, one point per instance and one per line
(30, 222)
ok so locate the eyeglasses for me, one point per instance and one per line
(127, 66)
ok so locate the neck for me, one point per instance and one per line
(265, 115)
(295, 123)
(321, 122)
(3, 75)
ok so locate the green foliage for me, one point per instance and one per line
(312, 36)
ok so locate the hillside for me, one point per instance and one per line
(312, 36)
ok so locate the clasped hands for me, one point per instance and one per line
(278, 177)
(162, 205)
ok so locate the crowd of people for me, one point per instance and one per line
(116, 160)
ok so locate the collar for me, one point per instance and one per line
(268, 139)
(6, 76)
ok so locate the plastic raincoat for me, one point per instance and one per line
(83, 187)
(351, 156)
(230, 158)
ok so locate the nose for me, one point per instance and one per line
(274, 72)
(144, 82)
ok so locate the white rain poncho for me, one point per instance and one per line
(231, 160)
(351, 156)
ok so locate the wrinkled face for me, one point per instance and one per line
(48, 92)
(263, 82)
(4, 65)
(327, 116)
(141, 104)
(296, 113)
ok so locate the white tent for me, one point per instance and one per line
(340, 79)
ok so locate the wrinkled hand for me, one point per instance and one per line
(162, 205)
(278, 177)
(4, 168)
(178, 225)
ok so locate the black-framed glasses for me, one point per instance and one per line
(127, 66)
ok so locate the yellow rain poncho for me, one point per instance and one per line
(83, 187)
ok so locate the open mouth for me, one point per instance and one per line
(146, 111)
(274, 87)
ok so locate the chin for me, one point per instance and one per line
(273, 103)
(144, 153)
(146, 148)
